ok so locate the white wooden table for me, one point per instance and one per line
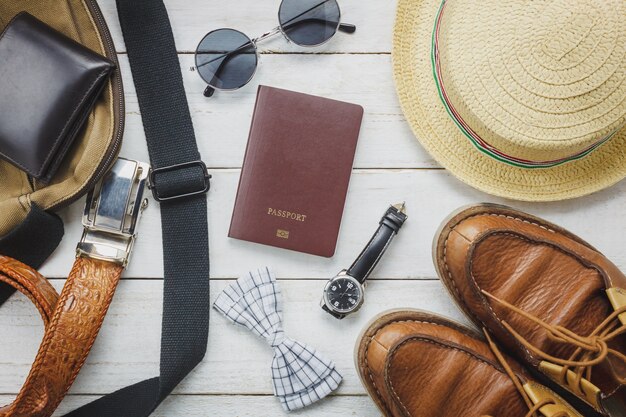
(234, 379)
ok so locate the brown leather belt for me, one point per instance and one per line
(73, 319)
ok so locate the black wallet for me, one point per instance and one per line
(49, 84)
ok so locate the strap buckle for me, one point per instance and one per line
(112, 211)
(153, 185)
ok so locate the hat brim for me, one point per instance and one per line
(441, 137)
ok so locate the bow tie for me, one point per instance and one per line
(300, 375)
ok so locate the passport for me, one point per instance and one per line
(296, 171)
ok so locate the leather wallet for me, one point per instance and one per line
(48, 86)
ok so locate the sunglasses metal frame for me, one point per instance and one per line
(210, 89)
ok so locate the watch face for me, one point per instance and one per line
(343, 294)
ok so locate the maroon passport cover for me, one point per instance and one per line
(296, 171)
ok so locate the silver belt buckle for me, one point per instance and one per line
(112, 211)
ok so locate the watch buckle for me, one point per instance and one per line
(112, 211)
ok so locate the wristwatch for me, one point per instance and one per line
(344, 294)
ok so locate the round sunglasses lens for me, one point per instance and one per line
(226, 59)
(309, 22)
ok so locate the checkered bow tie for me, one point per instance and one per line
(300, 375)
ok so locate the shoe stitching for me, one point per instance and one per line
(513, 235)
(436, 344)
(369, 373)
(493, 313)
(449, 273)
(445, 250)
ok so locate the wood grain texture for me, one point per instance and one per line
(237, 362)
(192, 19)
(391, 166)
(222, 122)
(430, 196)
(241, 406)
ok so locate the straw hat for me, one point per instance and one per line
(521, 99)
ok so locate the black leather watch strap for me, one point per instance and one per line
(333, 313)
(388, 227)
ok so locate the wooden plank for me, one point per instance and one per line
(237, 362)
(430, 195)
(192, 19)
(223, 121)
(239, 406)
(234, 378)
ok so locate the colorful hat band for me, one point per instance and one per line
(479, 142)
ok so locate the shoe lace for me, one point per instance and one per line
(590, 350)
(533, 409)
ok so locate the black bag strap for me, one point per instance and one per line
(21, 244)
(179, 180)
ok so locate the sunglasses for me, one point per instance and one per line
(227, 59)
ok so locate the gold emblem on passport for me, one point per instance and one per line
(283, 234)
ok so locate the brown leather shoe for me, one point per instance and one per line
(421, 365)
(549, 297)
